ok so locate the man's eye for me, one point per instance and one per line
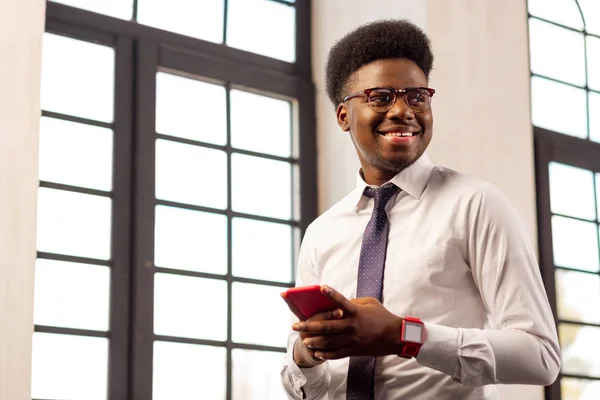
(381, 99)
(416, 98)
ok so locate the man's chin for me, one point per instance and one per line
(398, 164)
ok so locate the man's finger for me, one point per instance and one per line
(339, 299)
(329, 342)
(335, 354)
(329, 327)
(293, 308)
(326, 315)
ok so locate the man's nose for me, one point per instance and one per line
(400, 110)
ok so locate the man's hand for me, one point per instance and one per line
(366, 329)
(304, 356)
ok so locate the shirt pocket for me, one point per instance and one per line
(424, 281)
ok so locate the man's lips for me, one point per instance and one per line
(405, 131)
(399, 134)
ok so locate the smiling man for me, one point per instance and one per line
(438, 290)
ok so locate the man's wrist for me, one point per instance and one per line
(301, 356)
(394, 335)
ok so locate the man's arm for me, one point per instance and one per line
(521, 346)
(304, 383)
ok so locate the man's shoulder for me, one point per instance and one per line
(470, 191)
(449, 181)
(338, 211)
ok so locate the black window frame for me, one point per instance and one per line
(551, 146)
(139, 52)
(581, 153)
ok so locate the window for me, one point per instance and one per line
(177, 176)
(565, 86)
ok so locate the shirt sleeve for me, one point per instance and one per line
(304, 383)
(521, 345)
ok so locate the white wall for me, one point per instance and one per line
(21, 27)
(481, 107)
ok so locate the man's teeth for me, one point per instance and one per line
(401, 134)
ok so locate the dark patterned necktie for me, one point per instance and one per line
(361, 372)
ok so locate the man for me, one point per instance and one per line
(413, 242)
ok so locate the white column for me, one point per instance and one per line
(482, 119)
(21, 29)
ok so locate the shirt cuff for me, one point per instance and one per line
(298, 377)
(440, 350)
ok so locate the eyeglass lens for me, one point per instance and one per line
(381, 100)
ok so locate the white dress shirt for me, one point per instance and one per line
(459, 258)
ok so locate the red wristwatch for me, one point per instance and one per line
(411, 337)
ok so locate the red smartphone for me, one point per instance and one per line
(309, 300)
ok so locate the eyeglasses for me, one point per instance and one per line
(383, 99)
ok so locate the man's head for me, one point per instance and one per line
(393, 54)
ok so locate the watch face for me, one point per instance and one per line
(412, 332)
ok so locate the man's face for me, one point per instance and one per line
(382, 153)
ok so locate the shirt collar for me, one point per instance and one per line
(412, 180)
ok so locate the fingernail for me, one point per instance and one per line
(319, 355)
(306, 342)
(296, 326)
(326, 289)
(337, 313)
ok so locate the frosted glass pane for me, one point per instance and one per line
(83, 86)
(256, 375)
(190, 109)
(198, 19)
(594, 104)
(190, 240)
(558, 107)
(262, 250)
(250, 299)
(253, 197)
(270, 32)
(69, 367)
(75, 154)
(575, 244)
(578, 296)
(579, 389)
(115, 8)
(187, 371)
(572, 191)
(578, 344)
(191, 307)
(593, 54)
(591, 12)
(71, 295)
(191, 174)
(249, 112)
(564, 12)
(557, 52)
(73, 223)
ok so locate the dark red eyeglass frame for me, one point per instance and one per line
(397, 93)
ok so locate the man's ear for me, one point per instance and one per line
(342, 117)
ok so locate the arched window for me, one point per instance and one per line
(565, 100)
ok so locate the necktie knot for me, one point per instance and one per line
(381, 195)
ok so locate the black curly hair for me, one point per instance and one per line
(374, 41)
